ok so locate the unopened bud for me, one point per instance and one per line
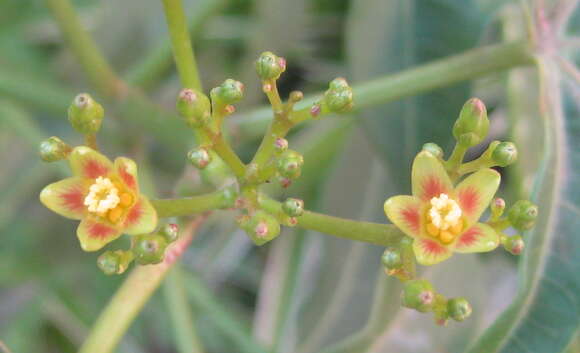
(270, 66)
(229, 92)
(293, 207)
(472, 125)
(114, 262)
(261, 227)
(504, 154)
(419, 295)
(339, 98)
(290, 164)
(85, 115)
(199, 157)
(497, 207)
(315, 110)
(280, 145)
(149, 249)
(170, 232)
(391, 259)
(514, 244)
(522, 215)
(54, 149)
(194, 107)
(459, 309)
(434, 149)
(296, 96)
(285, 182)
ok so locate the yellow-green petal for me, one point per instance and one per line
(405, 212)
(66, 197)
(126, 170)
(429, 251)
(142, 218)
(93, 234)
(429, 178)
(88, 163)
(478, 238)
(475, 192)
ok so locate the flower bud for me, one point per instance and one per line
(199, 157)
(261, 227)
(515, 244)
(522, 215)
(280, 145)
(170, 232)
(418, 294)
(290, 164)
(338, 98)
(54, 149)
(293, 207)
(497, 207)
(269, 66)
(114, 262)
(472, 125)
(296, 96)
(149, 249)
(504, 154)
(194, 107)
(85, 115)
(459, 309)
(434, 149)
(392, 259)
(229, 92)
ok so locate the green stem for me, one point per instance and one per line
(225, 151)
(191, 205)
(456, 158)
(180, 312)
(440, 73)
(100, 73)
(181, 44)
(129, 299)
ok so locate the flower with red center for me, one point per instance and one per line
(104, 196)
(441, 218)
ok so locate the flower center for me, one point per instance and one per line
(444, 219)
(103, 196)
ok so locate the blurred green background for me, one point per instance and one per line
(304, 292)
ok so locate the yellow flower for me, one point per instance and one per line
(104, 196)
(441, 218)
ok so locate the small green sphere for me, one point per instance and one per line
(293, 207)
(504, 154)
(419, 295)
(522, 215)
(149, 249)
(459, 309)
(392, 259)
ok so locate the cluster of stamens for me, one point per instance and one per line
(105, 200)
(444, 218)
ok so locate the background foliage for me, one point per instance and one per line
(304, 292)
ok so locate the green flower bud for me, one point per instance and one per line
(229, 92)
(199, 157)
(296, 96)
(472, 125)
(54, 149)
(149, 249)
(522, 215)
(418, 294)
(85, 115)
(392, 259)
(293, 207)
(504, 154)
(114, 262)
(514, 244)
(459, 309)
(280, 145)
(497, 207)
(269, 66)
(290, 164)
(170, 232)
(194, 107)
(339, 98)
(434, 149)
(261, 227)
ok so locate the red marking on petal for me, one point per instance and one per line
(432, 187)
(99, 230)
(134, 214)
(73, 199)
(411, 217)
(93, 169)
(469, 237)
(432, 247)
(468, 200)
(127, 177)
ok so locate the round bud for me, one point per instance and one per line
(459, 309)
(194, 107)
(149, 249)
(290, 164)
(392, 259)
(293, 207)
(315, 110)
(418, 294)
(280, 145)
(504, 154)
(472, 125)
(114, 262)
(515, 244)
(338, 98)
(170, 232)
(522, 215)
(497, 207)
(85, 115)
(434, 149)
(54, 149)
(199, 157)
(270, 66)
(295, 96)
(229, 92)
(262, 227)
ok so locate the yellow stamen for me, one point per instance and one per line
(432, 229)
(446, 237)
(445, 218)
(125, 199)
(103, 196)
(457, 228)
(115, 214)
